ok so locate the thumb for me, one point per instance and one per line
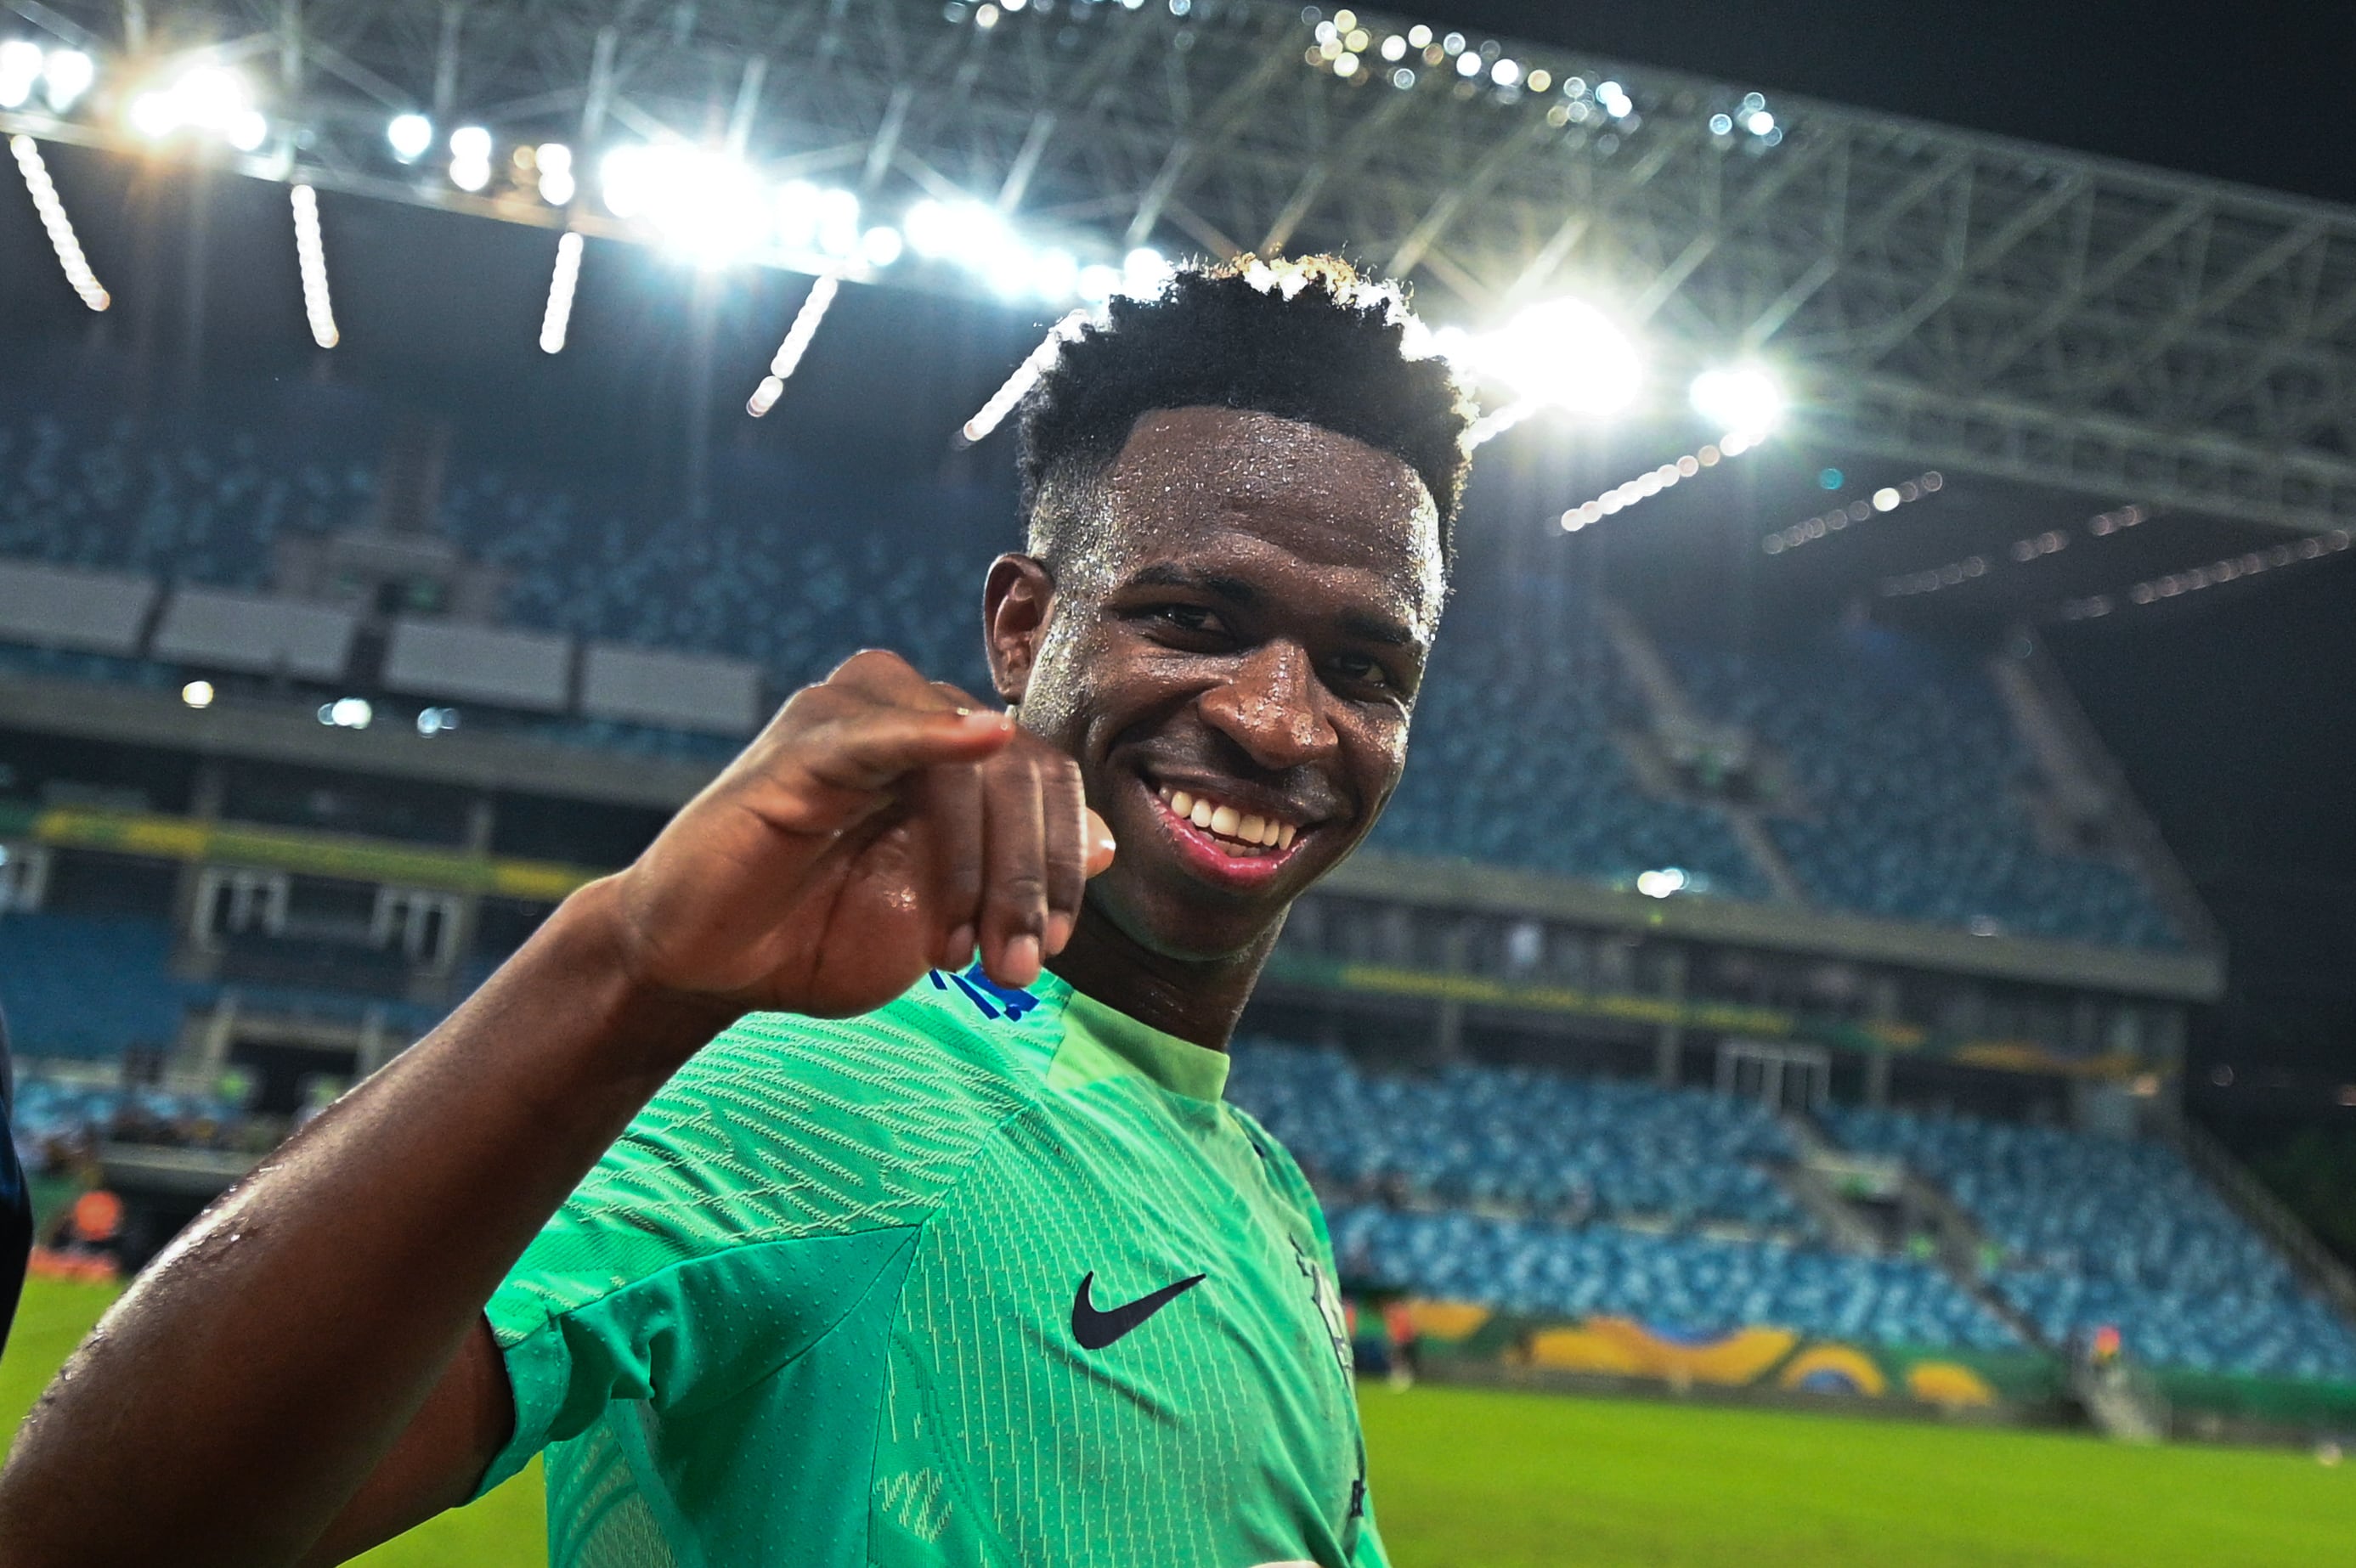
(1100, 844)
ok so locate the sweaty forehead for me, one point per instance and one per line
(1255, 488)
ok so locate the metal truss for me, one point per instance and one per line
(1939, 297)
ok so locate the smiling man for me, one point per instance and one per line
(891, 1264)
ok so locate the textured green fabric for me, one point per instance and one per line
(817, 1307)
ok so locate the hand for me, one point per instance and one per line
(880, 825)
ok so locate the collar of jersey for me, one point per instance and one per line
(1118, 1043)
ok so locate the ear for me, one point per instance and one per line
(1015, 603)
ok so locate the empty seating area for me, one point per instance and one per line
(2101, 1230)
(1531, 1142)
(1909, 775)
(1904, 760)
(1686, 1285)
(85, 985)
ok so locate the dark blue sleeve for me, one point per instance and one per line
(16, 1201)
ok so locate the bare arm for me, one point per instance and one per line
(235, 1403)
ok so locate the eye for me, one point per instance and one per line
(1361, 670)
(1197, 618)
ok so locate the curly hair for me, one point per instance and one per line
(1305, 339)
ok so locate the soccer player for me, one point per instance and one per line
(902, 1257)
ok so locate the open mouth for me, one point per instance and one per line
(1225, 840)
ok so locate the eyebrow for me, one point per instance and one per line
(1356, 623)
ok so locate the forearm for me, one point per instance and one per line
(245, 1387)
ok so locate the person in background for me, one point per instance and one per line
(16, 1200)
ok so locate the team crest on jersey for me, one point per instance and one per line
(990, 999)
(1328, 1300)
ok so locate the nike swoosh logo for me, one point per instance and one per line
(1095, 1330)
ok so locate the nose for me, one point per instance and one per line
(1273, 707)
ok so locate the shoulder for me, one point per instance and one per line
(788, 1127)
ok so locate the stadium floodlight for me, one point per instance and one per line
(788, 357)
(1026, 376)
(1742, 400)
(198, 694)
(702, 206)
(54, 222)
(470, 157)
(1562, 353)
(412, 136)
(558, 317)
(881, 246)
(1145, 272)
(347, 713)
(69, 74)
(554, 162)
(1662, 883)
(210, 97)
(21, 68)
(311, 258)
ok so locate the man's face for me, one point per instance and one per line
(1234, 666)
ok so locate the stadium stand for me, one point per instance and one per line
(1539, 1142)
(92, 986)
(2102, 1230)
(1686, 1285)
(1911, 776)
(1906, 764)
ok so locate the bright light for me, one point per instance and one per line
(1145, 271)
(1098, 283)
(1740, 399)
(412, 136)
(435, 720)
(1468, 64)
(54, 222)
(558, 316)
(1760, 123)
(198, 694)
(554, 162)
(1418, 35)
(68, 73)
(1721, 125)
(1660, 884)
(347, 713)
(1026, 376)
(311, 256)
(797, 341)
(704, 206)
(1887, 499)
(956, 231)
(1054, 274)
(210, 97)
(881, 246)
(471, 144)
(20, 68)
(1506, 72)
(1394, 47)
(1565, 354)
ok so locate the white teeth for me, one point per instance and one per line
(1227, 821)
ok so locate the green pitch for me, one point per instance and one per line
(1474, 1479)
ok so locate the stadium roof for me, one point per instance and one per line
(1938, 297)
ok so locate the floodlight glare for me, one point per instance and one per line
(1564, 352)
(20, 68)
(704, 206)
(209, 98)
(68, 73)
(881, 246)
(470, 145)
(1144, 271)
(412, 136)
(1742, 400)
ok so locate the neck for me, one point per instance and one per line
(1195, 999)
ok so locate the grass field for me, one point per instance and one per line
(1473, 1479)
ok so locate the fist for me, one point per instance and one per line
(881, 824)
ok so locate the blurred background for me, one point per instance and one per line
(1868, 925)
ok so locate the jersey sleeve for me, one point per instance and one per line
(776, 1182)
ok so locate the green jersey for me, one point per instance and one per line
(985, 1276)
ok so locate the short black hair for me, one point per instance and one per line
(1305, 339)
